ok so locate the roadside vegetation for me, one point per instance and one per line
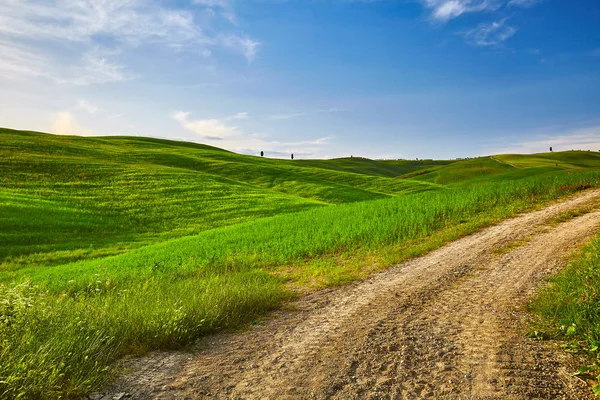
(569, 309)
(164, 242)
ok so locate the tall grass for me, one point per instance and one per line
(284, 239)
(62, 346)
(68, 322)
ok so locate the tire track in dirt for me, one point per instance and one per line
(445, 325)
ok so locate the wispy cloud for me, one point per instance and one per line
(222, 134)
(246, 45)
(523, 3)
(445, 10)
(66, 40)
(240, 115)
(579, 139)
(87, 106)
(225, 8)
(213, 129)
(287, 116)
(21, 61)
(301, 114)
(213, 3)
(95, 69)
(486, 34)
(491, 34)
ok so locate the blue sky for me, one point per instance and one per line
(319, 78)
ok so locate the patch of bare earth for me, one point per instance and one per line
(448, 325)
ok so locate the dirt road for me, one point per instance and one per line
(448, 325)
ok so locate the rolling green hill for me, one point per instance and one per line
(464, 170)
(115, 246)
(565, 160)
(80, 197)
(506, 167)
(388, 168)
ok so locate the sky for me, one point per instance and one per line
(317, 78)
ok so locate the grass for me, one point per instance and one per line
(69, 198)
(507, 167)
(466, 170)
(386, 168)
(165, 295)
(568, 309)
(565, 160)
(569, 215)
(117, 246)
(515, 244)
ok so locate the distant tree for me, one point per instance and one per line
(550, 148)
(262, 154)
(292, 156)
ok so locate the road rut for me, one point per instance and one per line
(447, 325)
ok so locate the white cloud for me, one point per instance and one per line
(578, 139)
(25, 62)
(287, 116)
(240, 115)
(301, 114)
(212, 3)
(217, 133)
(246, 46)
(129, 22)
(65, 124)
(333, 110)
(63, 39)
(206, 128)
(492, 34)
(96, 69)
(445, 10)
(87, 106)
(488, 34)
(523, 3)
(180, 116)
(20, 62)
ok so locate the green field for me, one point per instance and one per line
(120, 245)
(103, 196)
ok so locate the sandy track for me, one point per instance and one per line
(446, 325)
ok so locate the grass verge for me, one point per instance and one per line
(568, 309)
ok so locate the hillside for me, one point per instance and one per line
(116, 246)
(506, 167)
(564, 160)
(388, 168)
(66, 198)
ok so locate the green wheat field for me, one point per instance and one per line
(115, 246)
